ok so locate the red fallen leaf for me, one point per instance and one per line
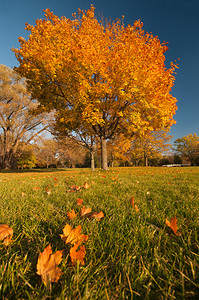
(173, 225)
(47, 265)
(86, 185)
(84, 211)
(73, 235)
(79, 201)
(77, 255)
(103, 176)
(71, 215)
(6, 234)
(55, 179)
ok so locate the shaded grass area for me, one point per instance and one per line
(129, 255)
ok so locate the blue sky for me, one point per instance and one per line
(174, 21)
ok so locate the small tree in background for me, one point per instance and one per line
(188, 147)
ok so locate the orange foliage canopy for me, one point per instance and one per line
(109, 77)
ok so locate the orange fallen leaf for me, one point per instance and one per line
(136, 208)
(77, 255)
(73, 235)
(6, 233)
(132, 202)
(173, 225)
(71, 215)
(75, 188)
(47, 265)
(7, 240)
(35, 188)
(98, 216)
(84, 211)
(79, 201)
(86, 185)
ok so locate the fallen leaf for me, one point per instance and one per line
(136, 208)
(71, 215)
(47, 265)
(86, 185)
(132, 202)
(173, 225)
(35, 188)
(6, 233)
(74, 188)
(79, 201)
(77, 255)
(73, 235)
(98, 216)
(84, 211)
(7, 240)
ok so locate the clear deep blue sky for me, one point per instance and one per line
(174, 21)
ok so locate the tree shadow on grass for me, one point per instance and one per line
(50, 170)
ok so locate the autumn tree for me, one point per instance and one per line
(109, 77)
(26, 159)
(149, 145)
(188, 147)
(16, 123)
(118, 149)
(46, 152)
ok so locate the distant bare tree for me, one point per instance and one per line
(17, 124)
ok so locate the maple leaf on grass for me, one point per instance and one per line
(97, 216)
(6, 234)
(86, 185)
(173, 225)
(79, 201)
(85, 211)
(73, 236)
(71, 215)
(77, 255)
(47, 265)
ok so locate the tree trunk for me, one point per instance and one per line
(104, 160)
(92, 160)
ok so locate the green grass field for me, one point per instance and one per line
(129, 254)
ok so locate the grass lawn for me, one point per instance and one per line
(129, 254)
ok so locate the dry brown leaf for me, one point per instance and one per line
(77, 255)
(73, 235)
(71, 215)
(47, 265)
(173, 225)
